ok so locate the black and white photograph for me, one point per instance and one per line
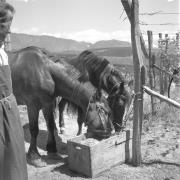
(89, 89)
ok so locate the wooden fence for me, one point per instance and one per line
(141, 57)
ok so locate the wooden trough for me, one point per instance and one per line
(90, 157)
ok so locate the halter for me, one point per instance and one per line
(99, 107)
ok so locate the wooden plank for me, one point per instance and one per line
(161, 97)
(110, 152)
(94, 158)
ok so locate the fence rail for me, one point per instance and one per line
(161, 97)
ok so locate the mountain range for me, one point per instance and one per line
(114, 48)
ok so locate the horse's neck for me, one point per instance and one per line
(68, 88)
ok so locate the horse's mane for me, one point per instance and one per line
(91, 59)
(119, 75)
(94, 63)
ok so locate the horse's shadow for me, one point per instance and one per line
(41, 144)
(64, 169)
(61, 148)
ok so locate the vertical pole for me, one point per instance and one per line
(139, 56)
(177, 41)
(154, 74)
(151, 79)
(166, 64)
(137, 123)
(161, 85)
(160, 39)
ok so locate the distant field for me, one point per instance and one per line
(120, 60)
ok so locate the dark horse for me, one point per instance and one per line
(37, 81)
(103, 76)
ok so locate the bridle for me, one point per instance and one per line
(100, 111)
(99, 107)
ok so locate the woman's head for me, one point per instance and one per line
(6, 15)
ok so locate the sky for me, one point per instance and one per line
(91, 20)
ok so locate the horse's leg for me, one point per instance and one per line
(62, 106)
(51, 143)
(33, 155)
(80, 121)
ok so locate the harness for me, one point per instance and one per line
(99, 106)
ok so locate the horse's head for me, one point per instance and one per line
(120, 98)
(99, 117)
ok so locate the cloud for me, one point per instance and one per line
(93, 35)
(24, 0)
(33, 31)
(170, 0)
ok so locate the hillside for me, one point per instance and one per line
(67, 46)
(109, 44)
(114, 51)
(50, 43)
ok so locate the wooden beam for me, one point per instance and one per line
(132, 10)
(161, 97)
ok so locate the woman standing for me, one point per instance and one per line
(12, 152)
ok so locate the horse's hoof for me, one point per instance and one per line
(54, 156)
(35, 159)
(37, 162)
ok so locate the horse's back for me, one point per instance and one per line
(31, 78)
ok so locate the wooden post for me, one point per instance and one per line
(154, 74)
(160, 39)
(151, 63)
(166, 64)
(132, 10)
(161, 84)
(177, 41)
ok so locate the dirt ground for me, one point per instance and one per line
(160, 154)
